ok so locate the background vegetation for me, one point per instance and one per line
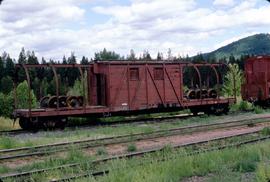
(42, 81)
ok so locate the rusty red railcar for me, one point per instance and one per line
(120, 87)
(256, 86)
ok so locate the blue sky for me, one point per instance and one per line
(56, 28)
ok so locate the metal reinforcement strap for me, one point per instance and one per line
(29, 89)
(56, 84)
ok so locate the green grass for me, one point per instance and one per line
(244, 106)
(265, 131)
(263, 172)
(107, 131)
(226, 165)
(131, 147)
(101, 151)
(7, 124)
(8, 142)
(77, 156)
(258, 110)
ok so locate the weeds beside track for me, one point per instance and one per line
(111, 124)
(8, 154)
(131, 155)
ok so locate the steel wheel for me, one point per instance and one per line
(52, 102)
(44, 102)
(62, 101)
(212, 93)
(191, 94)
(72, 101)
(80, 99)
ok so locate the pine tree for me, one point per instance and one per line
(72, 73)
(22, 60)
(6, 84)
(159, 56)
(146, 56)
(169, 54)
(106, 55)
(10, 67)
(84, 60)
(2, 70)
(32, 59)
(132, 55)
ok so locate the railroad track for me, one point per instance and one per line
(131, 155)
(12, 132)
(24, 152)
(195, 152)
(112, 124)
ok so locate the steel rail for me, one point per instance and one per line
(113, 124)
(11, 132)
(130, 155)
(92, 143)
(196, 152)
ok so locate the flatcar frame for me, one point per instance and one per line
(90, 107)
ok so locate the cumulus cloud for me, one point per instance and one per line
(224, 2)
(54, 28)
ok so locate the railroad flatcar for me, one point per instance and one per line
(125, 87)
(256, 86)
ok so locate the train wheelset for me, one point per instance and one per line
(61, 101)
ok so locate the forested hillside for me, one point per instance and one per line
(258, 44)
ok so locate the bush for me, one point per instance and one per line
(131, 147)
(102, 151)
(6, 105)
(22, 96)
(258, 110)
(244, 106)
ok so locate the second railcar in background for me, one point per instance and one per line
(256, 86)
(120, 87)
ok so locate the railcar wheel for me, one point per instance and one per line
(198, 94)
(54, 123)
(80, 100)
(212, 93)
(191, 94)
(72, 101)
(204, 93)
(24, 123)
(49, 124)
(27, 124)
(61, 123)
(221, 109)
(44, 102)
(210, 110)
(62, 101)
(52, 103)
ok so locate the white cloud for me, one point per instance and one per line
(52, 28)
(224, 2)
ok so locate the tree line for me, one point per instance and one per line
(42, 79)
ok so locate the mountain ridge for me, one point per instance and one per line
(258, 44)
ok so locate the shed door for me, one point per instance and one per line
(101, 89)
